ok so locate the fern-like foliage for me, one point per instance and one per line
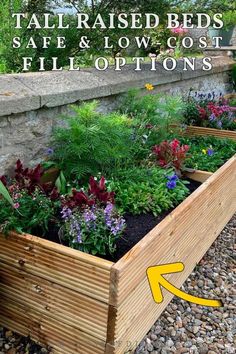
(159, 110)
(89, 142)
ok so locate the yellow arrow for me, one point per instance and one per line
(156, 280)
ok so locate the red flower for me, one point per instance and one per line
(202, 112)
(96, 193)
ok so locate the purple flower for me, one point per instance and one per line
(79, 236)
(212, 117)
(75, 231)
(210, 152)
(89, 216)
(49, 151)
(231, 115)
(219, 124)
(118, 226)
(66, 213)
(173, 178)
(171, 184)
(108, 211)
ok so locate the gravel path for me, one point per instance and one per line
(183, 327)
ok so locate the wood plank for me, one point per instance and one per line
(59, 264)
(197, 175)
(214, 202)
(183, 236)
(218, 133)
(46, 331)
(52, 300)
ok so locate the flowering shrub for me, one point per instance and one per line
(93, 230)
(171, 154)
(209, 111)
(30, 213)
(90, 220)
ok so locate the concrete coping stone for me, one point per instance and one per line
(31, 91)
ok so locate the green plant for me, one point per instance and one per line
(90, 142)
(229, 18)
(147, 190)
(232, 102)
(153, 117)
(29, 213)
(5, 194)
(94, 229)
(209, 153)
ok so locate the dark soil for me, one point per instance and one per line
(137, 226)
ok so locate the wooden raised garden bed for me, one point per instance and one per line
(77, 303)
(218, 133)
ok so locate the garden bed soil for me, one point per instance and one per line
(77, 303)
(140, 225)
(137, 226)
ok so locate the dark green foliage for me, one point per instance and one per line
(153, 117)
(142, 190)
(201, 149)
(92, 142)
(191, 113)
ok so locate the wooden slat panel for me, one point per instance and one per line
(63, 339)
(187, 219)
(199, 131)
(184, 236)
(64, 266)
(53, 300)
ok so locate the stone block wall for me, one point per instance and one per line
(30, 104)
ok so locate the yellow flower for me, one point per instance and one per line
(149, 87)
(204, 151)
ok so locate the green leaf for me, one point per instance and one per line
(61, 183)
(4, 192)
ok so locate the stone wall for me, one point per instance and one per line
(30, 104)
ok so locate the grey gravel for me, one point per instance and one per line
(188, 328)
(183, 327)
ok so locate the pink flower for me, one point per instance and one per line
(180, 31)
(16, 206)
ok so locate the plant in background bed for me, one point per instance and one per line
(208, 153)
(208, 110)
(147, 190)
(91, 142)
